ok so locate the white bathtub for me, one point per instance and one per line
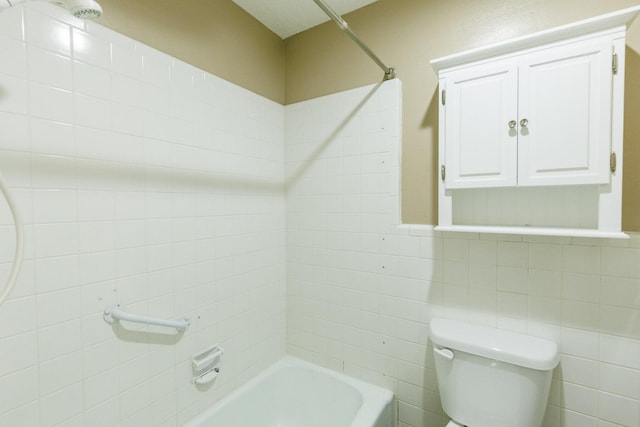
(294, 393)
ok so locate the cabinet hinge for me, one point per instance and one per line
(613, 162)
(614, 63)
(443, 172)
(444, 96)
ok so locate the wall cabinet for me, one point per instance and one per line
(534, 121)
(538, 119)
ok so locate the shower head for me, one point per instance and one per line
(83, 9)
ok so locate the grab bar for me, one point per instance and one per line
(117, 313)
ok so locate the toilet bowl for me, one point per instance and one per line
(489, 377)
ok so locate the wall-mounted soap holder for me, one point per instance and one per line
(206, 364)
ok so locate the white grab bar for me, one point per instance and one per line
(117, 313)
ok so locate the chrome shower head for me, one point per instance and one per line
(83, 9)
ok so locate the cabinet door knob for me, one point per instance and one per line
(524, 123)
(512, 124)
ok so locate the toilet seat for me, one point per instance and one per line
(454, 424)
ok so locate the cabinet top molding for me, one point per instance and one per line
(600, 23)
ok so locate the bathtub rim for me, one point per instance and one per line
(373, 396)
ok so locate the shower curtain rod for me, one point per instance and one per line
(389, 73)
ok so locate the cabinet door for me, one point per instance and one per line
(565, 95)
(480, 147)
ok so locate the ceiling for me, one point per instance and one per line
(289, 17)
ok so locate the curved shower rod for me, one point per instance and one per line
(389, 73)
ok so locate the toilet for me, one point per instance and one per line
(489, 377)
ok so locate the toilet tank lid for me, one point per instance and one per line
(505, 346)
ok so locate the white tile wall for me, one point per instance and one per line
(362, 289)
(142, 181)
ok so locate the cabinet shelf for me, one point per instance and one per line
(535, 231)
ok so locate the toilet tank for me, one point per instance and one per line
(492, 378)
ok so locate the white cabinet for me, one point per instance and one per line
(542, 118)
(480, 148)
(527, 124)
(565, 96)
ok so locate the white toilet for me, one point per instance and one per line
(489, 377)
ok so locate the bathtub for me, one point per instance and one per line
(294, 393)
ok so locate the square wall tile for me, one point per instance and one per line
(91, 80)
(13, 24)
(59, 306)
(581, 259)
(512, 254)
(47, 33)
(621, 262)
(15, 135)
(15, 97)
(619, 410)
(62, 405)
(58, 340)
(91, 49)
(581, 287)
(619, 291)
(17, 316)
(125, 60)
(619, 380)
(18, 352)
(14, 57)
(59, 373)
(51, 137)
(19, 389)
(92, 112)
(50, 68)
(50, 103)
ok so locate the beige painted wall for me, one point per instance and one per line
(218, 36)
(407, 34)
(214, 35)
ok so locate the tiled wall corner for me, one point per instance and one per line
(362, 289)
(142, 181)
